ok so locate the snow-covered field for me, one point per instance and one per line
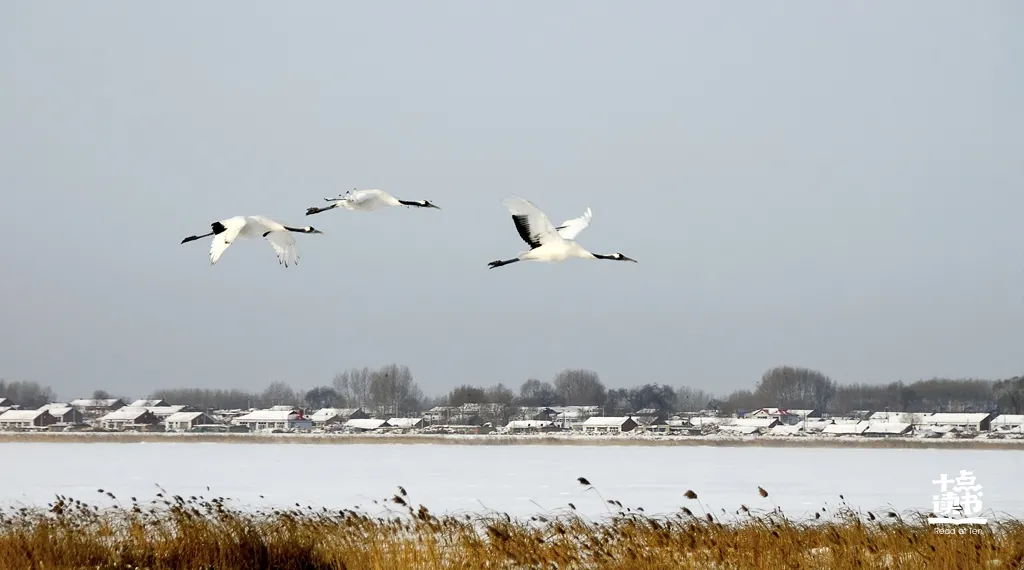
(520, 480)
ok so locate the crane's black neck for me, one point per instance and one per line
(603, 256)
(411, 203)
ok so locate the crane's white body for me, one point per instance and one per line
(536, 230)
(280, 237)
(368, 200)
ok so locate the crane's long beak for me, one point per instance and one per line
(624, 258)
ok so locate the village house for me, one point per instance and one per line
(531, 426)
(405, 423)
(5, 404)
(1008, 422)
(887, 429)
(783, 416)
(15, 419)
(610, 424)
(285, 417)
(64, 413)
(649, 417)
(971, 421)
(846, 428)
(164, 412)
(91, 406)
(332, 416)
(896, 417)
(128, 418)
(185, 421)
(366, 424)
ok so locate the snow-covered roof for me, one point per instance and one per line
(124, 414)
(607, 421)
(707, 420)
(183, 417)
(812, 424)
(368, 423)
(887, 428)
(5, 402)
(846, 429)
(20, 415)
(898, 417)
(268, 416)
(324, 414)
(784, 430)
(744, 430)
(800, 412)
(753, 422)
(147, 403)
(282, 408)
(57, 412)
(405, 422)
(953, 419)
(528, 424)
(94, 403)
(54, 405)
(1008, 420)
(164, 411)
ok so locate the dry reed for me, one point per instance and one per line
(198, 533)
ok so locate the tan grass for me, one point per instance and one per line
(343, 439)
(200, 533)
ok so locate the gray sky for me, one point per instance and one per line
(822, 184)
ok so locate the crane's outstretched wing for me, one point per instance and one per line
(279, 238)
(572, 228)
(369, 199)
(222, 240)
(533, 226)
(284, 246)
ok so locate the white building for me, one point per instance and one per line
(64, 413)
(289, 418)
(329, 416)
(972, 421)
(15, 419)
(185, 421)
(527, 426)
(846, 428)
(93, 405)
(123, 418)
(609, 424)
(405, 423)
(366, 424)
(887, 429)
(1013, 422)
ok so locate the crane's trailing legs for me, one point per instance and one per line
(217, 228)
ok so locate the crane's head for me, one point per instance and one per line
(311, 230)
(427, 204)
(614, 257)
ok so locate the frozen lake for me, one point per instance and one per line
(514, 479)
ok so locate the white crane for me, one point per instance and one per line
(545, 241)
(279, 236)
(367, 201)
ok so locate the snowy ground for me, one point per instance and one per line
(520, 480)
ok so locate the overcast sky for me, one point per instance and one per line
(821, 184)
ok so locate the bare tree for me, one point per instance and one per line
(279, 394)
(391, 388)
(500, 394)
(691, 400)
(467, 394)
(580, 387)
(100, 395)
(354, 386)
(533, 392)
(27, 394)
(792, 387)
(322, 397)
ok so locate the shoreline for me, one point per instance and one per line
(452, 439)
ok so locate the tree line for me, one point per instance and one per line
(391, 390)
